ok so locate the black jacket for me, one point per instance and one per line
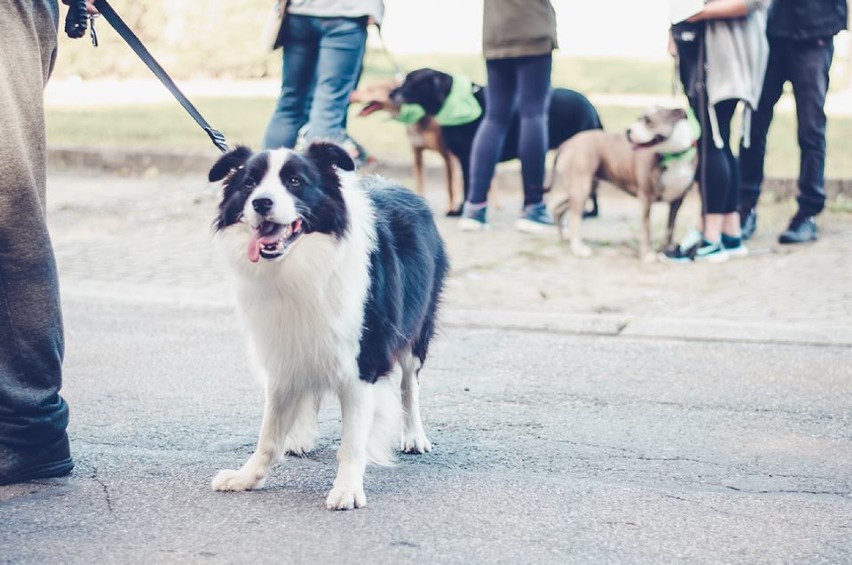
(801, 20)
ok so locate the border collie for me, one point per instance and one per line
(338, 280)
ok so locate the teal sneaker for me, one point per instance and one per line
(473, 217)
(710, 252)
(535, 218)
(734, 246)
(703, 251)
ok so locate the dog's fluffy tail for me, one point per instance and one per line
(387, 423)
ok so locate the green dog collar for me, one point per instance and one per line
(666, 159)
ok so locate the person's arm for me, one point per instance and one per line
(724, 9)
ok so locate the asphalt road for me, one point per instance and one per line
(616, 419)
(548, 448)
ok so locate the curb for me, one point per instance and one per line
(148, 162)
(775, 332)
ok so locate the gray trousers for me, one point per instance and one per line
(31, 335)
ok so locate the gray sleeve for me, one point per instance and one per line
(753, 5)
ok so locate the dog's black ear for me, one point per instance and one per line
(231, 160)
(327, 154)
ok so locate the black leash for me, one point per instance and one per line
(75, 26)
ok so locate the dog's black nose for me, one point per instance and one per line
(262, 205)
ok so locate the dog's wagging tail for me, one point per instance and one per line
(338, 279)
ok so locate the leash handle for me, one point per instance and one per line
(76, 19)
(127, 34)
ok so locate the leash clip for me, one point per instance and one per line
(92, 32)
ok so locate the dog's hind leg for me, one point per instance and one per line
(303, 433)
(414, 438)
(278, 417)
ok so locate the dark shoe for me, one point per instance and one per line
(748, 223)
(704, 251)
(24, 464)
(734, 246)
(801, 230)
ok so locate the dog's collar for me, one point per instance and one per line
(667, 159)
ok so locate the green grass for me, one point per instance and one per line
(244, 120)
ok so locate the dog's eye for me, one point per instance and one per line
(294, 181)
(249, 184)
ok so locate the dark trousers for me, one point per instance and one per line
(805, 64)
(516, 84)
(31, 335)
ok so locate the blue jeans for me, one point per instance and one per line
(805, 64)
(521, 84)
(322, 63)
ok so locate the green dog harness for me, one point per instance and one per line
(460, 107)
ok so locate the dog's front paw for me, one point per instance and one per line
(345, 498)
(228, 479)
(581, 250)
(649, 257)
(416, 443)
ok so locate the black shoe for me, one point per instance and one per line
(748, 223)
(801, 230)
(24, 464)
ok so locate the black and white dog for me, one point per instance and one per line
(569, 112)
(338, 280)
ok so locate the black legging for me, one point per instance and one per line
(521, 84)
(720, 185)
(718, 174)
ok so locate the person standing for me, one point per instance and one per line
(33, 416)
(518, 39)
(323, 43)
(722, 55)
(801, 49)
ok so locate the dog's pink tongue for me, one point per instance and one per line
(254, 247)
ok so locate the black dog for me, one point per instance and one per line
(570, 113)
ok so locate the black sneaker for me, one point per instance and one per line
(25, 464)
(748, 223)
(734, 246)
(801, 230)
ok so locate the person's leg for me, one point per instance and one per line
(299, 63)
(341, 49)
(751, 159)
(488, 142)
(714, 181)
(810, 64)
(533, 100)
(33, 416)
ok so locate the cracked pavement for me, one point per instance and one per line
(581, 411)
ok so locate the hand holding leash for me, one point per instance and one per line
(79, 13)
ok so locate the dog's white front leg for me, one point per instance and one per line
(278, 416)
(357, 404)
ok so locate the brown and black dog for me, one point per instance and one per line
(423, 135)
(569, 112)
